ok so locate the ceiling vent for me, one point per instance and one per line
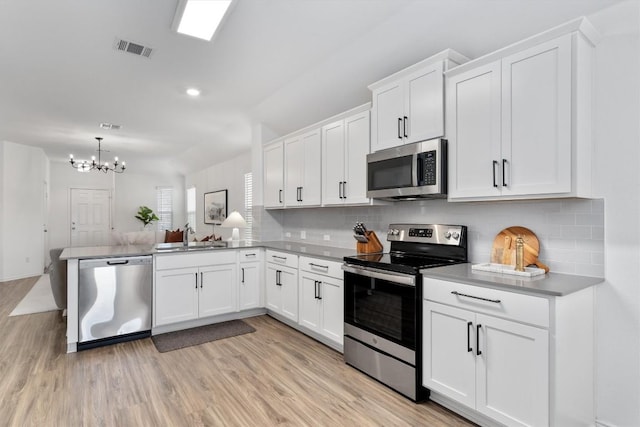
(109, 126)
(133, 48)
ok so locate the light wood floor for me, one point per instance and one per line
(274, 376)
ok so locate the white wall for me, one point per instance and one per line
(228, 176)
(2, 144)
(616, 131)
(23, 182)
(129, 191)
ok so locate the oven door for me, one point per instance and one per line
(381, 302)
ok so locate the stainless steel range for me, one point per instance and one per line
(382, 302)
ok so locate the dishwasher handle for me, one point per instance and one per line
(115, 262)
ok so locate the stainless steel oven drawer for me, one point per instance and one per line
(392, 372)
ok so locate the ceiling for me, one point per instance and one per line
(285, 63)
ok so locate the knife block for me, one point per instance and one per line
(372, 246)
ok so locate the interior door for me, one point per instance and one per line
(90, 217)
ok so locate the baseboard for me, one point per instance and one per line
(316, 336)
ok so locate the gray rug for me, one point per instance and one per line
(196, 336)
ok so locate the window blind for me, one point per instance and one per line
(248, 205)
(164, 200)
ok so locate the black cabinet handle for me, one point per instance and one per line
(404, 125)
(478, 352)
(196, 280)
(340, 189)
(504, 167)
(399, 126)
(242, 274)
(201, 280)
(319, 294)
(495, 162)
(284, 258)
(279, 196)
(315, 289)
(456, 293)
(344, 189)
(325, 267)
(300, 193)
(469, 349)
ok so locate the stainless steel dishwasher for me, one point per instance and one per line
(114, 300)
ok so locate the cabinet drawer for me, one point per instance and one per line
(249, 255)
(282, 258)
(509, 305)
(321, 266)
(195, 259)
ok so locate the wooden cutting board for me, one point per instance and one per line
(504, 247)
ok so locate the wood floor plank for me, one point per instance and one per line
(275, 376)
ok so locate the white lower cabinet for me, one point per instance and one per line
(321, 301)
(513, 358)
(192, 286)
(282, 284)
(250, 279)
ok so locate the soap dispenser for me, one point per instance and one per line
(519, 253)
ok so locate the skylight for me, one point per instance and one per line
(201, 18)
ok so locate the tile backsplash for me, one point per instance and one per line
(571, 231)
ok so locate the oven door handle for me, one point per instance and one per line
(402, 279)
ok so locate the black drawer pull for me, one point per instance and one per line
(478, 351)
(326, 267)
(469, 349)
(497, 301)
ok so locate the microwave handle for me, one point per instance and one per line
(415, 179)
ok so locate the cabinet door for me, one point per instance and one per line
(331, 294)
(273, 175)
(333, 160)
(273, 293)
(293, 170)
(310, 304)
(311, 169)
(424, 104)
(249, 292)
(357, 146)
(473, 130)
(449, 352)
(387, 116)
(289, 290)
(217, 290)
(512, 373)
(536, 119)
(176, 296)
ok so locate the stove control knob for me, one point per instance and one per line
(447, 235)
(396, 232)
(456, 235)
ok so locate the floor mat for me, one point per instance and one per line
(200, 335)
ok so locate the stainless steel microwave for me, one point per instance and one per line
(410, 171)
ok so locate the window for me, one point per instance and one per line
(248, 205)
(191, 207)
(164, 199)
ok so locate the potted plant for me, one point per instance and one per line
(146, 215)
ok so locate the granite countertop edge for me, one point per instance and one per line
(550, 284)
(330, 253)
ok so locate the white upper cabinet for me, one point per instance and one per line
(408, 106)
(518, 119)
(302, 169)
(345, 145)
(273, 157)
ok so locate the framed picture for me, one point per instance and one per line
(215, 207)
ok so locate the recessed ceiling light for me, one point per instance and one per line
(200, 18)
(193, 91)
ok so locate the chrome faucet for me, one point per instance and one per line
(185, 234)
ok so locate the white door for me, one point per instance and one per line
(273, 175)
(217, 290)
(473, 129)
(331, 294)
(176, 296)
(424, 104)
(311, 169)
(249, 293)
(293, 170)
(449, 352)
(272, 288)
(309, 302)
(536, 119)
(512, 372)
(387, 117)
(90, 217)
(289, 288)
(45, 223)
(357, 146)
(333, 163)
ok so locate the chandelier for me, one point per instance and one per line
(86, 166)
